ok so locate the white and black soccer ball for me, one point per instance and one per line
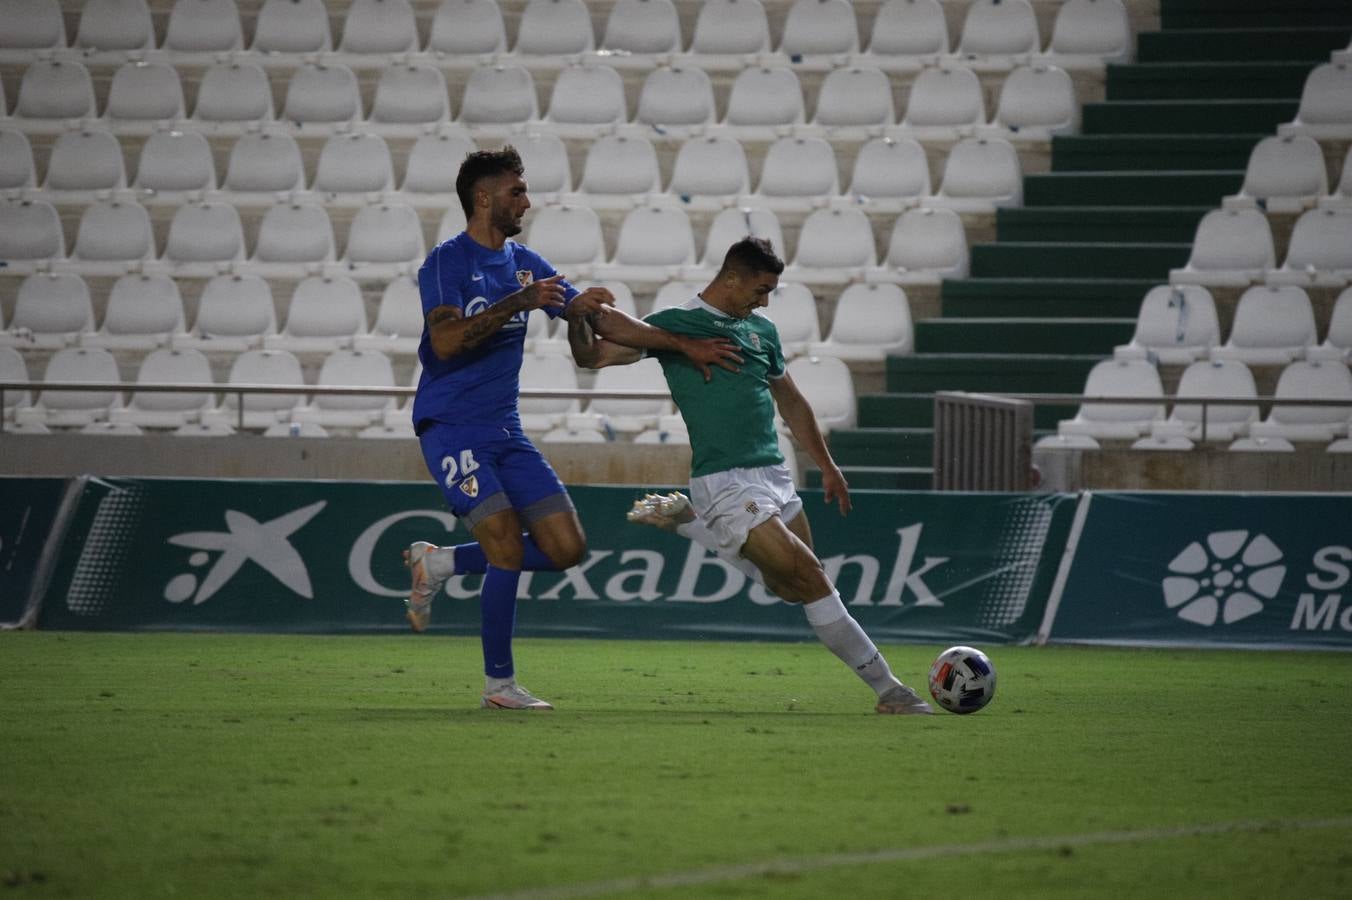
(962, 680)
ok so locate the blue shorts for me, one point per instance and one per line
(484, 469)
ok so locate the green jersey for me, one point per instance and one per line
(731, 419)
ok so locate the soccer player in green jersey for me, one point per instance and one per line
(742, 493)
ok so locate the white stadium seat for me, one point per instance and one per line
(174, 161)
(294, 234)
(168, 409)
(234, 313)
(676, 97)
(1325, 110)
(1283, 174)
(203, 235)
(322, 93)
(399, 319)
(385, 234)
(144, 311)
(569, 237)
(980, 175)
(945, 103)
(820, 27)
(627, 416)
(13, 368)
(555, 27)
(545, 158)
(32, 25)
(1326, 379)
(1338, 341)
(30, 230)
(70, 409)
(999, 28)
(872, 322)
(797, 173)
(1176, 325)
(467, 27)
(55, 89)
(642, 27)
(145, 91)
(620, 164)
(1089, 33)
(234, 92)
(730, 27)
(1232, 248)
(890, 174)
(17, 171)
(1118, 421)
(435, 159)
(1274, 324)
(654, 242)
(350, 368)
(264, 162)
(834, 246)
(829, 388)
(204, 26)
(908, 28)
(585, 96)
(1320, 252)
(325, 314)
(499, 95)
(51, 311)
(292, 26)
(730, 226)
(89, 159)
(925, 246)
(857, 98)
(793, 309)
(115, 25)
(379, 26)
(410, 94)
(355, 162)
(763, 100)
(271, 367)
(1036, 102)
(547, 371)
(1223, 378)
(709, 170)
(114, 231)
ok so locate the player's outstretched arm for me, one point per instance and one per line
(621, 328)
(593, 352)
(450, 333)
(798, 415)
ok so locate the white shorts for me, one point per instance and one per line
(733, 502)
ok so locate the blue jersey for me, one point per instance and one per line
(481, 386)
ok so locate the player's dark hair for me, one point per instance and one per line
(752, 256)
(485, 164)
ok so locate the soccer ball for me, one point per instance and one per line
(962, 680)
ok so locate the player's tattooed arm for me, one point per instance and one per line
(450, 333)
(590, 350)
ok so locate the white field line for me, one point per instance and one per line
(715, 874)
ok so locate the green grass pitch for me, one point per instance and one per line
(199, 765)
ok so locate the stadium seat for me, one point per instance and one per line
(55, 89)
(354, 162)
(379, 26)
(764, 101)
(113, 232)
(926, 245)
(1232, 248)
(292, 26)
(995, 31)
(1325, 110)
(1118, 421)
(980, 175)
(1341, 198)
(32, 25)
(499, 95)
(642, 27)
(89, 159)
(325, 314)
(793, 309)
(547, 371)
(1274, 324)
(854, 102)
(890, 174)
(203, 236)
(619, 164)
(322, 93)
(452, 221)
(585, 96)
(676, 293)
(175, 161)
(1284, 174)
(434, 160)
(709, 171)
(30, 230)
(115, 25)
(144, 311)
(17, 171)
(1320, 252)
(566, 435)
(1177, 325)
(50, 312)
(834, 246)
(399, 320)
(829, 388)
(350, 368)
(627, 416)
(73, 409)
(654, 242)
(1223, 378)
(204, 26)
(555, 28)
(906, 30)
(1304, 380)
(385, 234)
(145, 92)
(945, 103)
(797, 174)
(872, 322)
(545, 158)
(234, 92)
(1086, 34)
(167, 409)
(676, 97)
(410, 94)
(13, 368)
(730, 28)
(1036, 102)
(234, 313)
(467, 27)
(264, 162)
(820, 28)
(730, 226)
(569, 237)
(272, 367)
(1338, 342)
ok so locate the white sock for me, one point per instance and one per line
(492, 685)
(697, 531)
(841, 634)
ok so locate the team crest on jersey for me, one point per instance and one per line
(470, 486)
(524, 277)
(755, 340)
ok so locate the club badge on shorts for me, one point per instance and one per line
(524, 277)
(470, 486)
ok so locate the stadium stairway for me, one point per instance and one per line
(1062, 283)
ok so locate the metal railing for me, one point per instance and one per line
(239, 391)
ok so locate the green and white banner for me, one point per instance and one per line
(326, 556)
(1211, 569)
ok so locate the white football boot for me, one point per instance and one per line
(424, 587)
(902, 701)
(665, 511)
(512, 696)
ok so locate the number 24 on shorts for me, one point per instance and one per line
(454, 472)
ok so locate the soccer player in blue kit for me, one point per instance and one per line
(477, 290)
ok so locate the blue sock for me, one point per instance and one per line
(497, 612)
(470, 558)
